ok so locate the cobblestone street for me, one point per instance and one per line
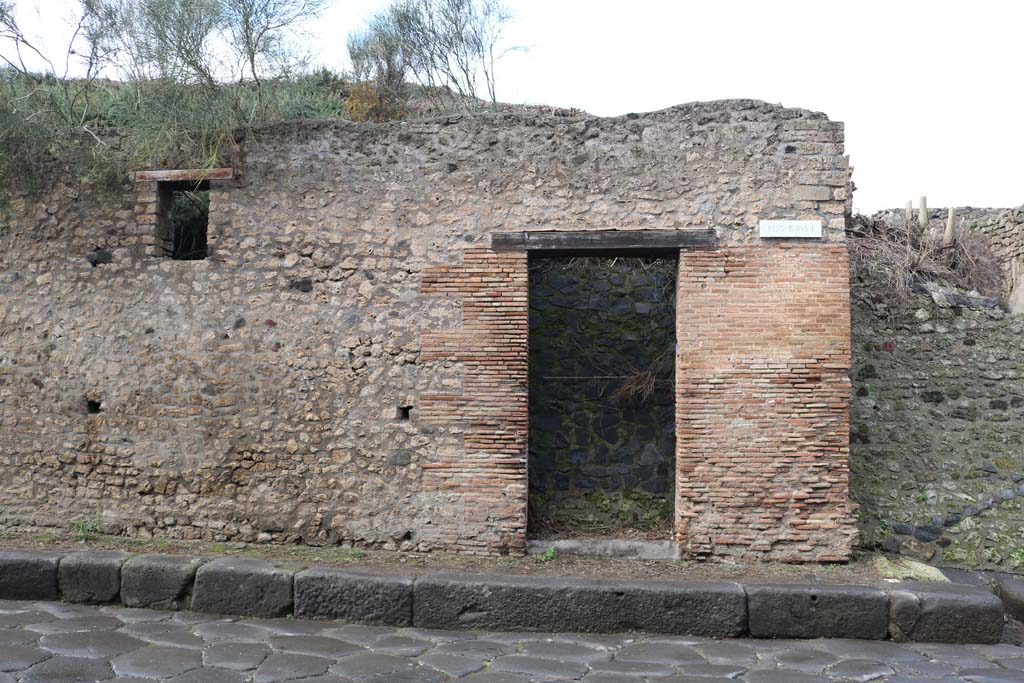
(50, 641)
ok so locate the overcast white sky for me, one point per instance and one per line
(931, 92)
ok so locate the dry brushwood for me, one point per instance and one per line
(891, 255)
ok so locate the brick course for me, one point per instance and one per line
(762, 407)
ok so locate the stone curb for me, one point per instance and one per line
(530, 603)
(243, 586)
(797, 611)
(361, 597)
(930, 612)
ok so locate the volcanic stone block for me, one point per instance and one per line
(92, 577)
(944, 613)
(353, 596)
(28, 576)
(784, 611)
(244, 586)
(1011, 592)
(558, 604)
(158, 581)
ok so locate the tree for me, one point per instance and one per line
(259, 31)
(449, 47)
(380, 66)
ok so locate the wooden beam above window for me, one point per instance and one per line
(596, 242)
(184, 175)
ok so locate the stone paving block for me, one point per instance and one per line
(158, 581)
(25, 618)
(286, 666)
(797, 611)
(661, 652)
(353, 596)
(157, 662)
(318, 646)
(944, 613)
(530, 603)
(205, 675)
(70, 669)
(453, 665)
(634, 670)
(780, 676)
(497, 677)
(18, 657)
(235, 656)
(28, 576)
(243, 586)
(539, 666)
(90, 643)
(992, 676)
(371, 664)
(93, 622)
(93, 577)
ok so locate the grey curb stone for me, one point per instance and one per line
(528, 603)
(944, 613)
(158, 581)
(28, 575)
(244, 586)
(92, 577)
(1011, 592)
(795, 611)
(354, 596)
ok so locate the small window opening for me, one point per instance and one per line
(404, 413)
(184, 215)
(92, 406)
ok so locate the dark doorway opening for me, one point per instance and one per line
(184, 216)
(602, 403)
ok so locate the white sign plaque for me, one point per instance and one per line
(789, 229)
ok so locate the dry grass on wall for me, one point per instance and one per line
(891, 256)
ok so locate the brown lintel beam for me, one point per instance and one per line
(596, 241)
(184, 174)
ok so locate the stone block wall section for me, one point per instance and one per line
(382, 403)
(495, 602)
(762, 398)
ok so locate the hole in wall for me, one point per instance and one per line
(93, 406)
(403, 413)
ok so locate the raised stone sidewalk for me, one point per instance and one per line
(923, 612)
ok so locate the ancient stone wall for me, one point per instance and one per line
(385, 403)
(937, 420)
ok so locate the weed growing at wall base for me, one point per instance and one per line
(85, 528)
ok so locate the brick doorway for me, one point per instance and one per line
(602, 338)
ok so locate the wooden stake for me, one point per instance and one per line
(950, 234)
(910, 212)
(922, 212)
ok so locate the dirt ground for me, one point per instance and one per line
(862, 569)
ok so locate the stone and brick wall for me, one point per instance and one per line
(386, 404)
